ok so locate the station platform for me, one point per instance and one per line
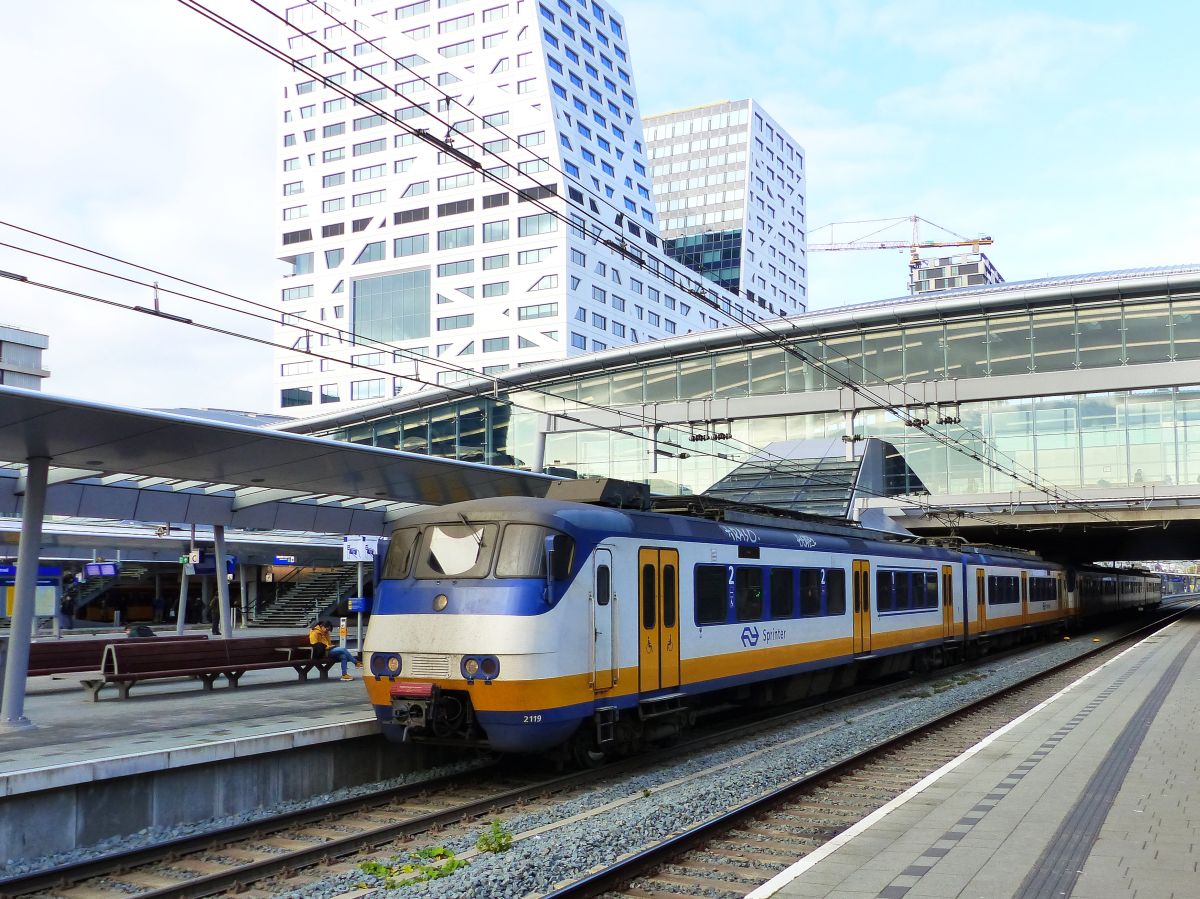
(1093, 794)
(173, 724)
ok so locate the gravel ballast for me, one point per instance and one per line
(672, 798)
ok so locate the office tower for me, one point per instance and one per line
(408, 250)
(729, 183)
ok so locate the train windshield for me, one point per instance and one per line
(400, 553)
(523, 551)
(456, 550)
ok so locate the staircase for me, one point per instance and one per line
(307, 599)
(96, 587)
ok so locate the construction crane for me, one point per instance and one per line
(914, 246)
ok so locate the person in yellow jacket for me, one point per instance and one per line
(323, 647)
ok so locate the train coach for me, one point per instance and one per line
(527, 625)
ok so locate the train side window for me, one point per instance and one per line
(782, 592)
(748, 594)
(810, 592)
(603, 585)
(885, 591)
(712, 594)
(835, 591)
(931, 590)
(400, 553)
(668, 610)
(649, 618)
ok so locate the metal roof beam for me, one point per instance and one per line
(257, 496)
(56, 476)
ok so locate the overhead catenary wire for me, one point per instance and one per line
(1035, 480)
(699, 289)
(930, 508)
(691, 282)
(639, 421)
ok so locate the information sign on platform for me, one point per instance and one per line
(285, 560)
(360, 604)
(359, 548)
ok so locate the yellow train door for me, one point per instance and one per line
(862, 606)
(1025, 597)
(658, 602)
(947, 601)
(980, 601)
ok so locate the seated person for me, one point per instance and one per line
(322, 647)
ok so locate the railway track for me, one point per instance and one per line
(732, 853)
(261, 857)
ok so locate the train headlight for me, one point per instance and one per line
(489, 667)
(484, 668)
(385, 664)
(440, 602)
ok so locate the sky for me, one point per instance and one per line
(1068, 132)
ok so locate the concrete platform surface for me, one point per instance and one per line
(1093, 794)
(172, 724)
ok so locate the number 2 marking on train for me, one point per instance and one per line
(533, 719)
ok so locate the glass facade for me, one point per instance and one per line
(1088, 440)
(392, 307)
(715, 255)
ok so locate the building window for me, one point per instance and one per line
(546, 282)
(459, 49)
(458, 207)
(372, 252)
(330, 393)
(367, 390)
(456, 238)
(462, 267)
(390, 308)
(529, 225)
(297, 293)
(452, 181)
(495, 344)
(407, 216)
(495, 289)
(302, 264)
(578, 341)
(366, 173)
(455, 322)
(369, 199)
(541, 310)
(495, 231)
(410, 246)
(333, 258)
(295, 396)
(494, 262)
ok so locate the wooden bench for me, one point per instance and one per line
(127, 663)
(72, 654)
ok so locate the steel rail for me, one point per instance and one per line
(627, 868)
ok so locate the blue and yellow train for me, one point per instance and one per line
(526, 625)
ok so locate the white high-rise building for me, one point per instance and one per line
(406, 254)
(729, 183)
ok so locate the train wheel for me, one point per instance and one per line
(584, 750)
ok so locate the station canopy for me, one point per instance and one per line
(133, 464)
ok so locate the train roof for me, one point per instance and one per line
(701, 521)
